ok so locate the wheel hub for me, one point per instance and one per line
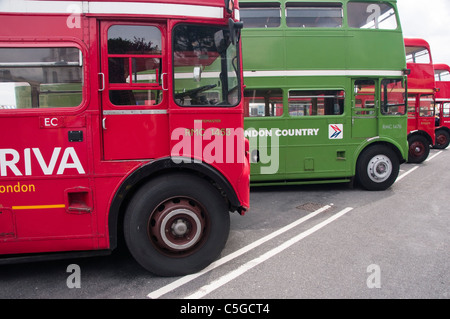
(379, 168)
(177, 226)
(180, 229)
(441, 139)
(417, 149)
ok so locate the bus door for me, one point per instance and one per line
(426, 118)
(365, 106)
(413, 118)
(315, 134)
(133, 84)
(46, 202)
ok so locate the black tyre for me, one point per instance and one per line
(176, 224)
(377, 168)
(419, 148)
(442, 139)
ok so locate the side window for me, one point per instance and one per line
(442, 75)
(134, 65)
(371, 15)
(418, 55)
(263, 103)
(393, 95)
(316, 15)
(260, 15)
(364, 97)
(32, 78)
(426, 105)
(446, 109)
(317, 102)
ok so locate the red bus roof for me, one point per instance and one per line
(216, 3)
(441, 67)
(416, 42)
(412, 45)
(421, 78)
(443, 86)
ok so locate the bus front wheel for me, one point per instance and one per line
(377, 168)
(442, 139)
(176, 225)
(419, 148)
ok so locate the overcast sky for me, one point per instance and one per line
(429, 20)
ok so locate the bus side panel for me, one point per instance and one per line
(32, 27)
(421, 77)
(45, 191)
(310, 47)
(273, 57)
(302, 144)
(215, 141)
(358, 57)
(44, 184)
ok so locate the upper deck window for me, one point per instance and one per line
(417, 55)
(260, 15)
(367, 15)
(40, 77)
(442, 75)
(316, 15)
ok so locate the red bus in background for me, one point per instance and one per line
(421, 99)
(442, 78)
(109, 130)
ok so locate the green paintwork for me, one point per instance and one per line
(315, 158)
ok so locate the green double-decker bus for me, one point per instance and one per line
(325, 94)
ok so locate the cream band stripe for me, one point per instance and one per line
(38, 207)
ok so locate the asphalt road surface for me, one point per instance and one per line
(297, 242)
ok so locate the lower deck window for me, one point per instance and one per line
(263, 103)
(317, 102)
(40, 77)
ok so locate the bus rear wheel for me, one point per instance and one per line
(442, 139)
(176, 225)
(419, 148)
(377, 168)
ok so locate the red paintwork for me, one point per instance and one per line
(443, 95)
(420, 82)
(107, 157)
(214, 3)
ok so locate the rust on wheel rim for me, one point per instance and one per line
(177, 226)
(417, 149)
(441, 139)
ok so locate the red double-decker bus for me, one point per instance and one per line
(121, 119)
(442, 78)
(421, 99)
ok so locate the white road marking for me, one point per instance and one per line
(416, 167)
(407, 173)
(430, 158)
(203, 291)
(177, 283)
